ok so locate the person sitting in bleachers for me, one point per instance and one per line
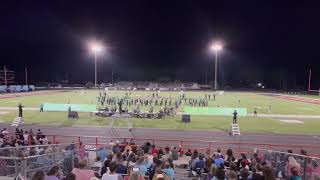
(112, 175)
(102, 153)
(168, 170)
(229, 158)
(83, 173)
(199, 163)
(105, 167)
(121, 168)
(220, 174)
(232, 175)
(175, 154)
(243, 161)
(208, 165)
(140, 164)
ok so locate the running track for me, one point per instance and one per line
(296, 98)
(186, 135)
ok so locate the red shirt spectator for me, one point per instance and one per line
(154, 151)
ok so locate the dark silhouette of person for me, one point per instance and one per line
(41, 108)
(235, 115)
(20, 110)
(120, 106)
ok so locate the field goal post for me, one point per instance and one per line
(309, 85)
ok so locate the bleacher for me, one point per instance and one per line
(24, 160)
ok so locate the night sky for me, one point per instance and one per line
(270, 42)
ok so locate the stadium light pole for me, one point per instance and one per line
(96, 48)
(216, 47)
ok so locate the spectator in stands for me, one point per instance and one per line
(39, 134)
(146, 147)
(199, 163)
(188, 153)
(218, 153)
(258, 169)
(112, 175)
(292, 163)
(169, 170)
(219, 161)
(295, 174)
(39, 175)
(160, 153)
(5, 133)
(121, 169)
(244, 173)
(208, 164)
(102, 153)
(220, 174)
(26, 137)
(70, 176)
(97, 165)
(229, 158)
(82, 173)
(140, 164)
(116, 148)
(232, 175)
(268, 173)
(53, 173)
(134, 176)
(156, 164)
(43, 139)
(105, 167)
(243, 161)
(303, 152)
(212, 173)
(175, 154)
(154, 151)
(159, 175)
(207, 154)
(167, 152)
(82, 152)
(194, 155)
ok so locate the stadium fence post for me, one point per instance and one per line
(152, 141)
(16, 163)
(304, 167)
(239, 148)
(181, 144)
(79, 139)
(54, 139)
(96, 145)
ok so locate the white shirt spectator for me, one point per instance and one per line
(107, 176)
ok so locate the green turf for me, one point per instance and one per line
(247, 100)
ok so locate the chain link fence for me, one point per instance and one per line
(282, 162)
(26, 160)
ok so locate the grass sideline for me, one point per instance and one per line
(229, 99)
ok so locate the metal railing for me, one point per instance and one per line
(238, 146)
(308, 167)
(25, 160)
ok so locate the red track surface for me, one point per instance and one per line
(300, 99)
(14, 95)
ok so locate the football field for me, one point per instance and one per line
(274, 114)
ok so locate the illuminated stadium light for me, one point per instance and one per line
(216, 47)
(96, 48)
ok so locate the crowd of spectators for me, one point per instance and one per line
(226, 167)
(22, 138)
(129, 161)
